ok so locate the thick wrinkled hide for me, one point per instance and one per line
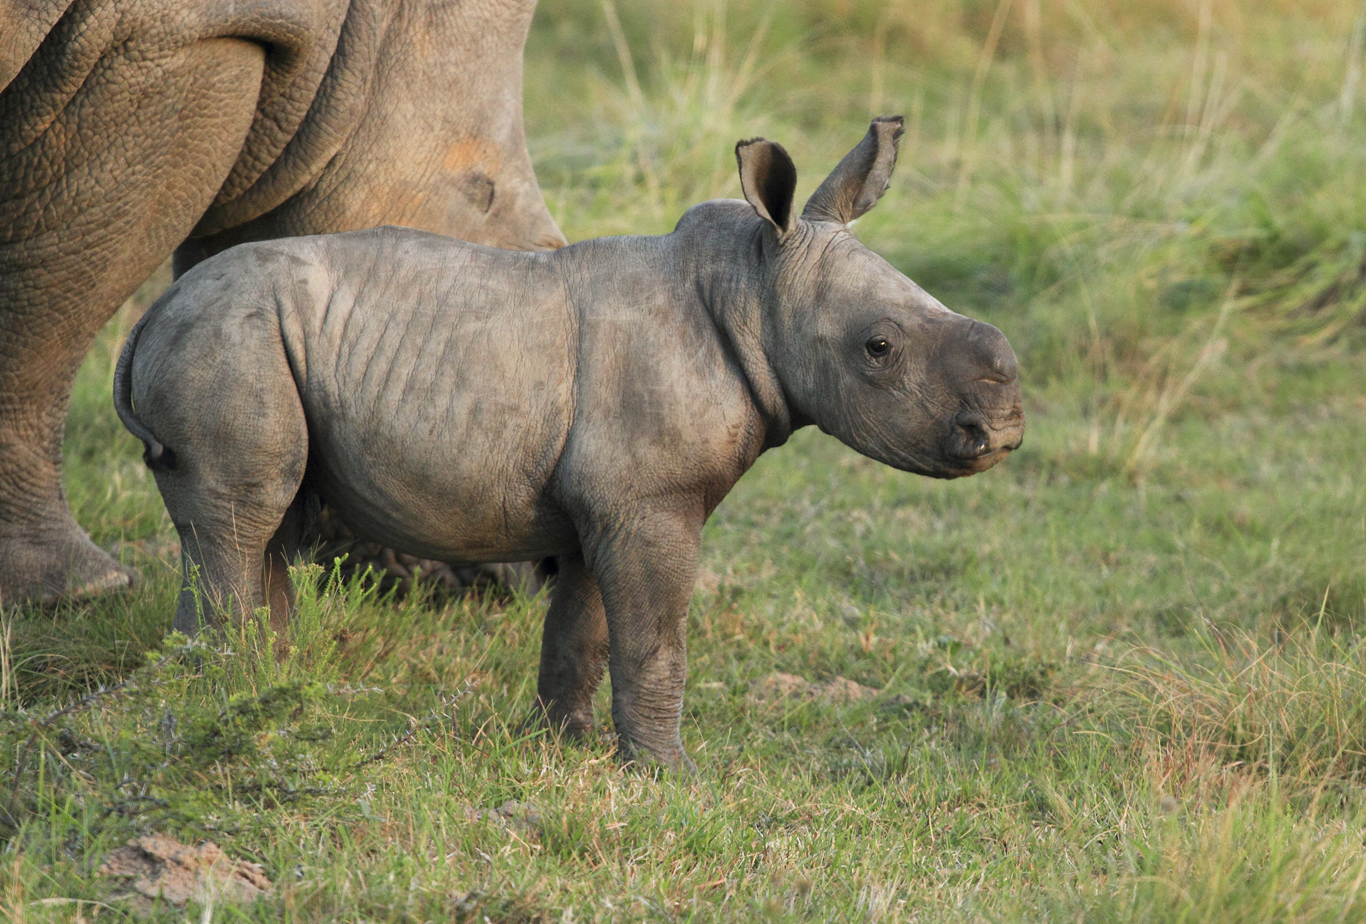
(128, 126)
(594, 403)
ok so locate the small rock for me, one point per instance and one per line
(524, 816)
(789, 686)
(159, 867)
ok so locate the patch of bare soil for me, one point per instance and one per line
(157, 867)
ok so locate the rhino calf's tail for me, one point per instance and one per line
(159, 458)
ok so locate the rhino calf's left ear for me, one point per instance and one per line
(861, 178)
(769, 180)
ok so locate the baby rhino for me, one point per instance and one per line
(593, 404)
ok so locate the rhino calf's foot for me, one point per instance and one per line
(669, 756)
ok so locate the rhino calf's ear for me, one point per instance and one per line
(861, 178)
(768, 179)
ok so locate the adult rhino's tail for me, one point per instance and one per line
(159, 458)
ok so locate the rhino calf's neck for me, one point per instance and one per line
(595, 404)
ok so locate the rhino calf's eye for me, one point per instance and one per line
(878, 346)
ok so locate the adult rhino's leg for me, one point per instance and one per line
(113, 141)
(574, 650)
(646, 569)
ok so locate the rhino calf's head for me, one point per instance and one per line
(861, 350)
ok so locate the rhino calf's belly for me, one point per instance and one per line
(475, 522)
(444, 483)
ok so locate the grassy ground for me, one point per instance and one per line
(1121, 676)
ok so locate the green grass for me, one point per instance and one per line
(1122, 675)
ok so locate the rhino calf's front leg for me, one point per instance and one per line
(574, 650)
(645, 571)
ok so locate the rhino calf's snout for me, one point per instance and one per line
(990, 424)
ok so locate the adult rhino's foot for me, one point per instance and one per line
(56, 563)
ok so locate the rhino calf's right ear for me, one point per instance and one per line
(768, 179)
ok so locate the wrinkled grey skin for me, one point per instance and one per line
(128, 125)
(594, 404)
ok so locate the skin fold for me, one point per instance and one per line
(643, 376)
(130, 129)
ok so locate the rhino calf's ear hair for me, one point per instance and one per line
(768, 179)
(861, 178)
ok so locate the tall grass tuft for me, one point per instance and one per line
(1292, 709)
(670, 127)
(1257, 860)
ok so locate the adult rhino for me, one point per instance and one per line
(132, 128)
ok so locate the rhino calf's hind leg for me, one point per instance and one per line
(283, 548)
(233, 490)
(235, 548)
(223, 576)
